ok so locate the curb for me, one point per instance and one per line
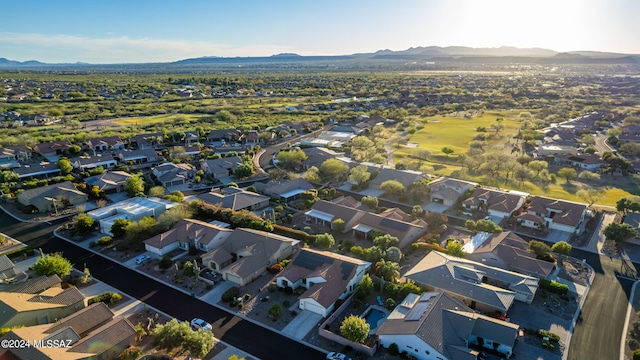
(578, 311)
(189, 293)
(623, 341)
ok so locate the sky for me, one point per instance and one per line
(118, 31)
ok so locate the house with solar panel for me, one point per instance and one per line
(326, 276)
(482, 287)
(438, 326)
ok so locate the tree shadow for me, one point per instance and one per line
(570, 187)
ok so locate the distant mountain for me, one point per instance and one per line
(461, 54)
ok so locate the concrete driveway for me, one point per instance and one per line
(214, 296)
(557, 235)
(300, 326)
(435, 207)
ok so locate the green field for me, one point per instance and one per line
(457, 133)
(155, 119)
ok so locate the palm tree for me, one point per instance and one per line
(388, 270)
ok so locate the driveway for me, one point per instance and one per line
(213, 296)
(300, 326)
(528, 316)
(557, 235)
(435, 207)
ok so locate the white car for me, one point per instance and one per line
(337, 356)
(197, 324)
(142, 259)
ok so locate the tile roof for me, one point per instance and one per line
(85, 320)
(187, 230)
(108, 335)
(570, 213)
(34, 285)
(495, 200)
(5, 263)
(230, 198)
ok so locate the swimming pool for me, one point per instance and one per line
(374, 317)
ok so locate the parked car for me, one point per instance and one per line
(337, 356)
(197, 324)
(142, 259)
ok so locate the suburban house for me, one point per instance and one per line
(132, 209)
(223, 167)
(438, 326)
(235, 199)
(105, 143)
(633, 219)
(589, 162)
(12, 156)
(247, 253)
(286, 190)
(93, 333)
(7, 268)
(317, 155)
(326, 276)
(186, 233)
(92, 162)
(228, 135)
(251, 138)
(142, 141)
(53, 197)
(170, 174)
(508, 251)
(331, 139)
(51, 149)
(42, 170)
(186, 151)
(497, 204)
(110, 182)
(483, 287)
(545, 150)
(364, 223)
(554, 214)
(447, 191)
(405, 177)
(630, 133)
(38, 301)
(140, 156)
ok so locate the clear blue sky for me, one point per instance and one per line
(117, 31)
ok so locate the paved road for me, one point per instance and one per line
(598, 331)
(243, 334)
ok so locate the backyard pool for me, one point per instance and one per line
(374, 316)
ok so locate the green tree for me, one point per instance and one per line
(567, 173)
(470, 225)
(179, 335)
(537, 166)
(454, 248)
(188, 269)
(392, 187)
(157, 191)
(119, 227)
(243, 171)
(354, 328)
(388, 270)
(64, 165)
(539, 248)
(447, 150)
(409, 288)
(52, 264)
(370, 201)
(562, 248)
(588, 176)
(333, 169)
(291, 159)
(359, 175)
(275, 310)
(394, 254)
(590, 195)
(84, 224)
(134, 185)
(365, 286)
(385, 241)
(619, 232)
(325, 241)
(338, 225)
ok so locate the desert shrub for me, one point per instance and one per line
(275, 310)
(165, 262)
(393, 349)
(275, 268)
(230, 294)
(106, 297)
(554, 287)
(636, 354)
(105, 240)
(552, 336)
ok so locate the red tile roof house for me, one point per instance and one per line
(186, 233)
(326, 276)
(493, 202)
(105, 143)
(247, 253)
(364, 223)
(554, 214)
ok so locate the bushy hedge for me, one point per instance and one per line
(275, 268)
(28, 251)
(293, 233)
(105, 240)
(554, 287)
(107, 298)
(230, 294)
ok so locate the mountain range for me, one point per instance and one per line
(461, 54)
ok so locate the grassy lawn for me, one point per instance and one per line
(146, 120)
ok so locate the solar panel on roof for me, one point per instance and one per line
(417, 311)
(309, 260)
(427, 296)
(395, 225)
(346, 268)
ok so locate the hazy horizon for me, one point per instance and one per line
(162, 31)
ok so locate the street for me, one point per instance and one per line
(256, 340)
